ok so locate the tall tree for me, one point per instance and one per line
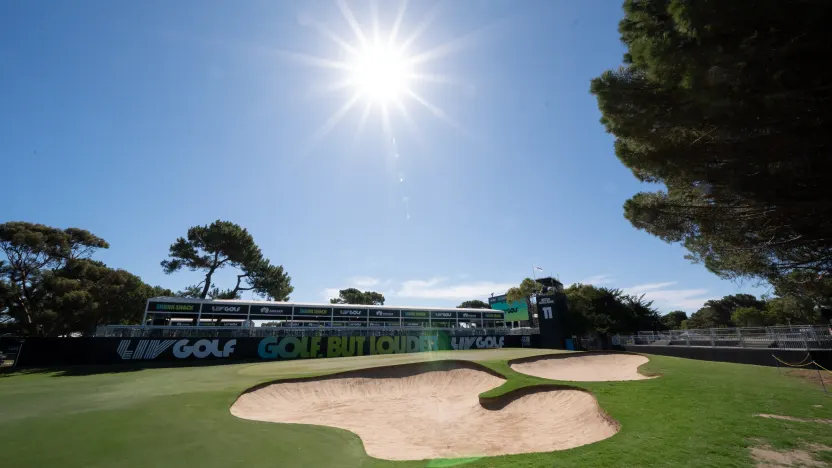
(355, 296)
(224, 244)
(793, 310)
(607, 311)
(750, 317)
(474, 304)
(673, 320)
(86, 293)
(30, 251)
(727, 105)
(717, 313)
(527, 288)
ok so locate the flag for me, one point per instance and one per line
(538, 268)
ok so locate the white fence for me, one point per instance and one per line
(794, 337)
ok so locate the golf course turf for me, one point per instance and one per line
(696, 414)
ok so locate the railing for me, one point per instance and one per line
(127, 331)
(794, 337)
(9, 349)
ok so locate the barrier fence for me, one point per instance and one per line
(54, 352)
(808, 363)
(787, 338)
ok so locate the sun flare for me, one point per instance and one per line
(382, 68)
(381, 73)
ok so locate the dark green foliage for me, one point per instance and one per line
(727, 104)
(474, 304)
(717, 313)
(607, 311)
(527, 288)
(86, 293)
(31, 251)
(49, 286)
(745, 310)
(221, 244)
(749, 317)
(355, 296)
(673, 320)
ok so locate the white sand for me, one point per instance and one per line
(587, 368)
(412, 415)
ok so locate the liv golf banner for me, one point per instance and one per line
(46, 352)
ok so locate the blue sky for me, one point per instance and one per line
(136, 120)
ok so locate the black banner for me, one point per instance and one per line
(496, 299)
(338, 312)
(415, 314)
(218, 308)
(435, 314)
(493, 315)
(388, 323)
(469, 315)
(180, 307)
(271, 310)
(49, 352)
(314, 311)
(384, 313)
(551, 310)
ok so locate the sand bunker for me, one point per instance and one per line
(584, 368)
(412, 413)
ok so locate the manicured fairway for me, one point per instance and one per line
(696, 414)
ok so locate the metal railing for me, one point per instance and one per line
(137, 331)
(9, 349)
(802, 337)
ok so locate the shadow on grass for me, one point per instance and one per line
(75, 371)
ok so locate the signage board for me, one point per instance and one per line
(514, 312)
(220, 308)
(417, 314)
(179, 307)
(384, 313)
(469, 315)
(269, 309)
(339, 312)
(313, 311)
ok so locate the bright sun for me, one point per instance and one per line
(380, 69)
(380, 73)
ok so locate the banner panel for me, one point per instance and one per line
(50, 352)
(181, 307)
(514, 312)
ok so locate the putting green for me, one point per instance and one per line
(697, 414)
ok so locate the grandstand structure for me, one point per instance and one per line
(792, 337)
(199, 313)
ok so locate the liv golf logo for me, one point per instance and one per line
(182, 349)
(146, 349)
(477, 342)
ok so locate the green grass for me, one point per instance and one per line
(697, 414)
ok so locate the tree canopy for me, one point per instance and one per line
(225, 244)
(474, 304)
(49, 286)
(673, 320)
(727, 105)
(355, 296)
(527, 288)
(608, 311)
(87, 293)
(745, 310)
